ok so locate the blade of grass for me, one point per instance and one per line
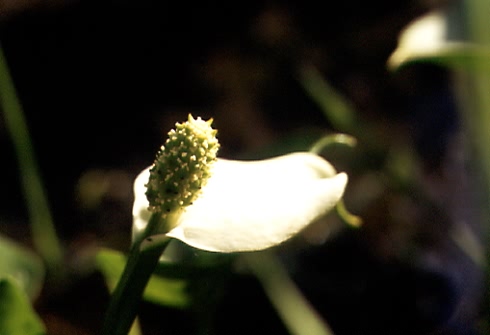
(296, 312)
(42, 227)
(335, 107)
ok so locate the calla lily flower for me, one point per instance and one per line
(436, 37)
(250, 205)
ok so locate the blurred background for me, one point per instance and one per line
(102, 82)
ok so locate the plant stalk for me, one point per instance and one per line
(126, 298)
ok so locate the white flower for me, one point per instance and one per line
(251, 205)
(436, 37)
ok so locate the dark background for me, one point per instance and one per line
(101, 83)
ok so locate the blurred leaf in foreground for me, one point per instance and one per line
(162, 291)
(17, 316)
(22, 265)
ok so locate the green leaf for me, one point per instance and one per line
(17, 317)
(22, 265)
(160, 290)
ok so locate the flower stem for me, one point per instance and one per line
(317, 148)
(125, 299)
(346, 216)
(332, 139)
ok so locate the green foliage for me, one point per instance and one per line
(22, 272)
(21, 264)
(17, 316)
(162, 291)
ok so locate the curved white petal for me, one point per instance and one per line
(141, 214)
(254, 205)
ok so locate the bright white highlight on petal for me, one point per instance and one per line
(252, 205)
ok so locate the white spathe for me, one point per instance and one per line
(437, 37)
(251, 205)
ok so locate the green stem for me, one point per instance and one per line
(337, 110)
(142, 260)
(332, 139)
(43, 231)
(296, 312)
(317, 148)
(473, 89)
(346, 216)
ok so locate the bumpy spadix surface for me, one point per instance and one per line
(182, 166)
(251, 205)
